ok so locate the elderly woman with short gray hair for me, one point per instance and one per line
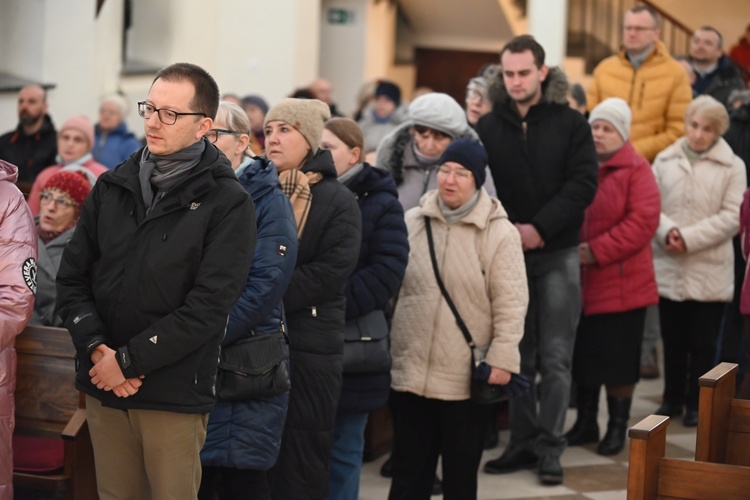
(113, 143)
(701, 182)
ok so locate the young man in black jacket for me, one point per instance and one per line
(542, 158)
(159, 257)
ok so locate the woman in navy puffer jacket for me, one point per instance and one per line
(375, 281)
(244, 437)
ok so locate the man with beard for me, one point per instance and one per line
(32, 146)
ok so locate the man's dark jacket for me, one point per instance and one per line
(30, 153)
(544, 165)
(720, 82)
(158, 288)
(315, 305)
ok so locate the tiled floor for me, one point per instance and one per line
(587, 475)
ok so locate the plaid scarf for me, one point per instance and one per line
(296, 185)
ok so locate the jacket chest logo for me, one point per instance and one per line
(194, 206)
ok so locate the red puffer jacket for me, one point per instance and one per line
(618, 226)
(18, 244)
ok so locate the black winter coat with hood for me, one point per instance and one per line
(544, 164)
(158, 288)
(315, 306)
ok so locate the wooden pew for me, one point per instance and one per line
(651, 476)
(49, 406)
(723, 434)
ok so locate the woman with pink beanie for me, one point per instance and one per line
(75, 140)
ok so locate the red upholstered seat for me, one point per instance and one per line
(34, 454)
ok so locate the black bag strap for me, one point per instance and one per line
(459, 320)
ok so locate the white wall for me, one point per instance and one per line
(249, 46)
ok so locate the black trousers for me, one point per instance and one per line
(224, 483)
(424, 429)
(689, 331)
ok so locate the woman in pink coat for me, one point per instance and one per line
(75, 140)
(745, 296)
(17, 288)
(617, 279)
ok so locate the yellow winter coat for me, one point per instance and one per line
(658, 93)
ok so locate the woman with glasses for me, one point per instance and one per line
(411, 151)
(329, 232)
(477, 104)
(480, 261)
(244, 437)
(75, 140)
(60, 201)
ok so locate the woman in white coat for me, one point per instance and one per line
(701, 182)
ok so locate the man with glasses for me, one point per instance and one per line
(160, 255)
(653, 84)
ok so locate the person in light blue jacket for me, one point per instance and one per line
(113, 143)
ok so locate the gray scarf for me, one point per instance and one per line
(347, 177)
(454, 215)
(165, 172)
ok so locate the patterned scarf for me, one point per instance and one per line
(296, 185)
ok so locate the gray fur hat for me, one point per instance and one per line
(306, 115)
(439, 112)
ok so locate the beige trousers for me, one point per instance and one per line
(142, 454)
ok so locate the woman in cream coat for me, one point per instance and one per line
(701, 182)
(481, 263)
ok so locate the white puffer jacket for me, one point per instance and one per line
(482, 266)
(702, 201)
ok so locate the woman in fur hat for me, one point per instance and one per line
(329, 233)
(410, 153)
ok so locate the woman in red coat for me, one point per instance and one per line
(617, 279)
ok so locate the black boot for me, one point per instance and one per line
(617, 427)
(586, 429)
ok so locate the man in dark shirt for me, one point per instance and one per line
(715, 75)
(32, 146)
(542, 158)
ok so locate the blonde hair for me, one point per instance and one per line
(233, 116)
(709, 108)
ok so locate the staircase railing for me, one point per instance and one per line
(595, 29)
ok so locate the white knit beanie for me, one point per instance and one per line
(439, 112)
(616, 112)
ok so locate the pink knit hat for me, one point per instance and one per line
(81, 123)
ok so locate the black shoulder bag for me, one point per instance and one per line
(254, 367)
(482, 391)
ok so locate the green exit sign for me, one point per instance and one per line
(340, 16)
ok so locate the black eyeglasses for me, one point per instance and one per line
(166, 116)
(213, 134)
